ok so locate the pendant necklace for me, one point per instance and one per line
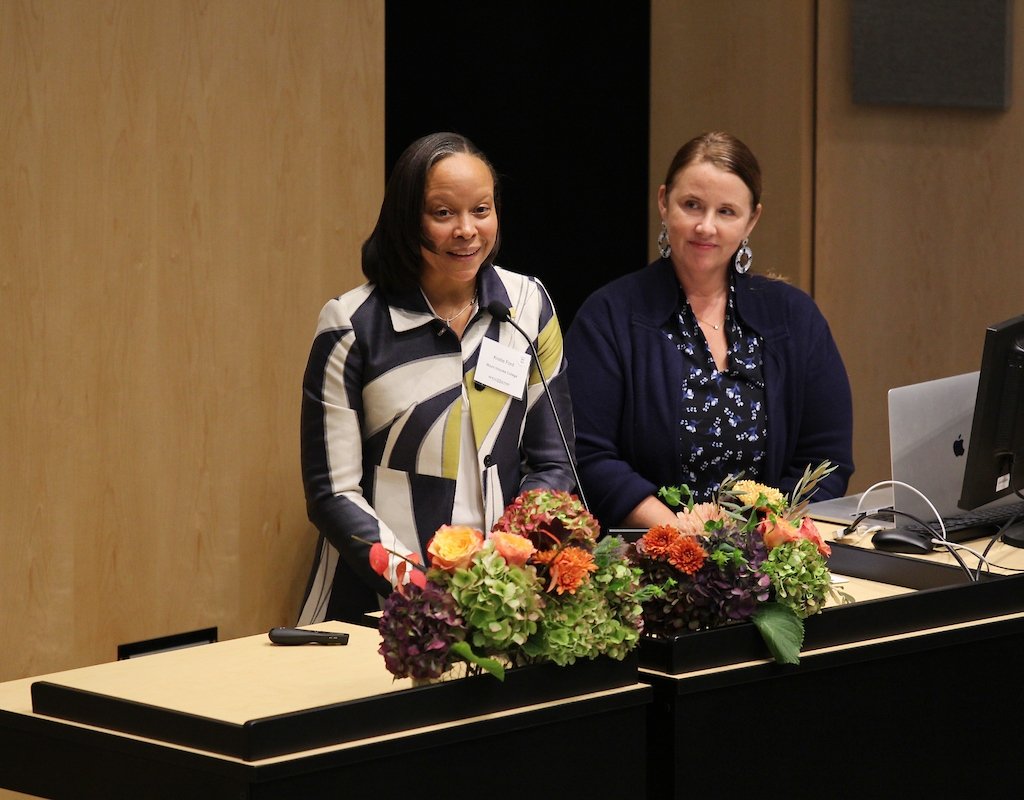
(448, 320)
(705, 322)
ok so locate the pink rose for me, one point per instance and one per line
(453, 546)
(515, 549)
(808, 530)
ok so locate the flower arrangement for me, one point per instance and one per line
(748, 555)
(540, 588)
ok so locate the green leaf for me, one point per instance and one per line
(465, 652)
(807, 486)
(782, 631)
(673, 495)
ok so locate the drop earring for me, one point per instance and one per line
(664, 248)
(744, 257)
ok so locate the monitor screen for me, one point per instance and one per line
(995, 455)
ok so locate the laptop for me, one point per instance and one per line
(844, 510)
(929, 434)
(929, 430)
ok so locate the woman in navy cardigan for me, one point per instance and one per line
(692, 369)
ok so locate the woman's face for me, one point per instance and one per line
(459, 220)
(708, 213)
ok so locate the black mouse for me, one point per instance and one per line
(1015, 531)
(901, 540)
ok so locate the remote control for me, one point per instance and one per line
(302, 636)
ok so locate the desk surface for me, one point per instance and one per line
(237, 680)
(244, 679)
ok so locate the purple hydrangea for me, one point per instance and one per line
(418, 628)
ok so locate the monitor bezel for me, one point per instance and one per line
(982, 470)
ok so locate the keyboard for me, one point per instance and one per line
(961, 527)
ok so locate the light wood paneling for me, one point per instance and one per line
(902, 222)
(184, 184)
(918, 234)
(747, 68)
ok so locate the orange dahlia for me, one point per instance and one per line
(569, 568)
(658, 540)
(686, 554)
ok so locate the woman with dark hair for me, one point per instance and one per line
(693, 368)
(419, 407)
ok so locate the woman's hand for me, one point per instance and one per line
(650, 512)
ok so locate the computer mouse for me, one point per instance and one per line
(1014, 533)
(901, 540)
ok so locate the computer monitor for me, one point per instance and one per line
(995, 454)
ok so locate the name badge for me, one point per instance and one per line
(502, 368)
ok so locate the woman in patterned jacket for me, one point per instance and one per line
(419, 407)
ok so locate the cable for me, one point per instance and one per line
(940, 535)
(940, 539)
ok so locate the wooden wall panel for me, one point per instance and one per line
(749, 69)
(918, 233)
(183, 185)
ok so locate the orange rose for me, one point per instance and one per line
(776, 531)
(453, 546)
(515, 549)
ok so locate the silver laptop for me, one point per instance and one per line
(844, 510)
(929, 433)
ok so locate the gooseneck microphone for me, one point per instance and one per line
(502, 313)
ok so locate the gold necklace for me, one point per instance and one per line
(705, 322)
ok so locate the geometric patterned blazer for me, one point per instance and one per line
(381, 427)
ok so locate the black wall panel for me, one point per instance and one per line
(557, 95)
(932, 52)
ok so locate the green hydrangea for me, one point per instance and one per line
(603, 617)
(569, 629)
(621, 581)
(501, 605)
(799, 575)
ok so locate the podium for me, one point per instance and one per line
(248, 719)
(907, 692)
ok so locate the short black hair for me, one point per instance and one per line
(391, 254)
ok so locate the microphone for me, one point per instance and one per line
(502, 313)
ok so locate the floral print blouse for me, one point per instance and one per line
(722, 423)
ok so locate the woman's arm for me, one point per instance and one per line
(331, 445)
(601, 381)
(825, 430)
(648, 513)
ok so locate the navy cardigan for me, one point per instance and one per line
(625, 377)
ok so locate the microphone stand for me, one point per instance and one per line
(502, 313)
